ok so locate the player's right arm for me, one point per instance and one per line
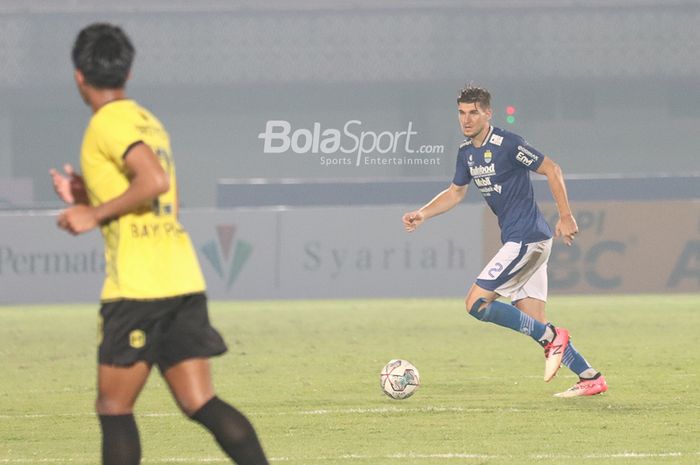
(444, 201)
(147, 180)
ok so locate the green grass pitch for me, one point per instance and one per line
(307, 375)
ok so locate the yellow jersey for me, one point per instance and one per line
(148, 253)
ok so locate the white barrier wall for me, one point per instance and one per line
(39, 263)
(345, 252)
(263, 254)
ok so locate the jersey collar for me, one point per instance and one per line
(486, 140)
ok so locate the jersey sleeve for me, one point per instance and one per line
(116, 137)
(462, 176)
(524, 155)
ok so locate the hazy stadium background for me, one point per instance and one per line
(607, 88)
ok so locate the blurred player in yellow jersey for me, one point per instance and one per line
(154, 307)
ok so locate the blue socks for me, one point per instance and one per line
(576, 363)
(508, 316)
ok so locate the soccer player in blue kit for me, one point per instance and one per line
(499, 163)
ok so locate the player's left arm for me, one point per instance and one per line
(69, 186)
(147, 180)
(566, 226)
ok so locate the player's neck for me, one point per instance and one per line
(101, 97)
(480, 139)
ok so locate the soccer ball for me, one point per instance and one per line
(399, 379)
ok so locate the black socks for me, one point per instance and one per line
(120, 440)
(232, 431)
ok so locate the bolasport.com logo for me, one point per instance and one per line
(225, 255)
(350, 145)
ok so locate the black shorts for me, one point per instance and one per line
(162, 332)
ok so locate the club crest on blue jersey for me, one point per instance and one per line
(487, 156)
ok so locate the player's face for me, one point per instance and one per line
(473, 119)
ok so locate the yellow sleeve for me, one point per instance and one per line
(115, 137)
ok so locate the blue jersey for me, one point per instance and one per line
(501, 169)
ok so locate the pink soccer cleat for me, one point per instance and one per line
(554, 351)
(586, 387)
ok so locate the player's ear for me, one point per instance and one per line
(79, 77)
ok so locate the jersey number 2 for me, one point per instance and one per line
(493, 272)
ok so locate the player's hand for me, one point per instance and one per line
(567, 228)
(70, 187)
(78, 219)
(412, 220)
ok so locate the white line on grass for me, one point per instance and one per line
(346, 411)
(84, 414)
(363, 411)
(620, 455)
(426, 409)
(397, 456)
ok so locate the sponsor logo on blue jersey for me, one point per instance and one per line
(496, 139)
(524, 159)
(482, 182)
(479, 171)
(525, 156)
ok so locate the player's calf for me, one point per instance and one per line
(120, 440)
(232, 431)
(508, 316)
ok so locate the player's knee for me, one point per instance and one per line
(230, 427)
(469, 302)
(478, 308)
(473, 303)
(108, 406)
(190, 406)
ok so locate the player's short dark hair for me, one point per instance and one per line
(103, 53)
(471, 94)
